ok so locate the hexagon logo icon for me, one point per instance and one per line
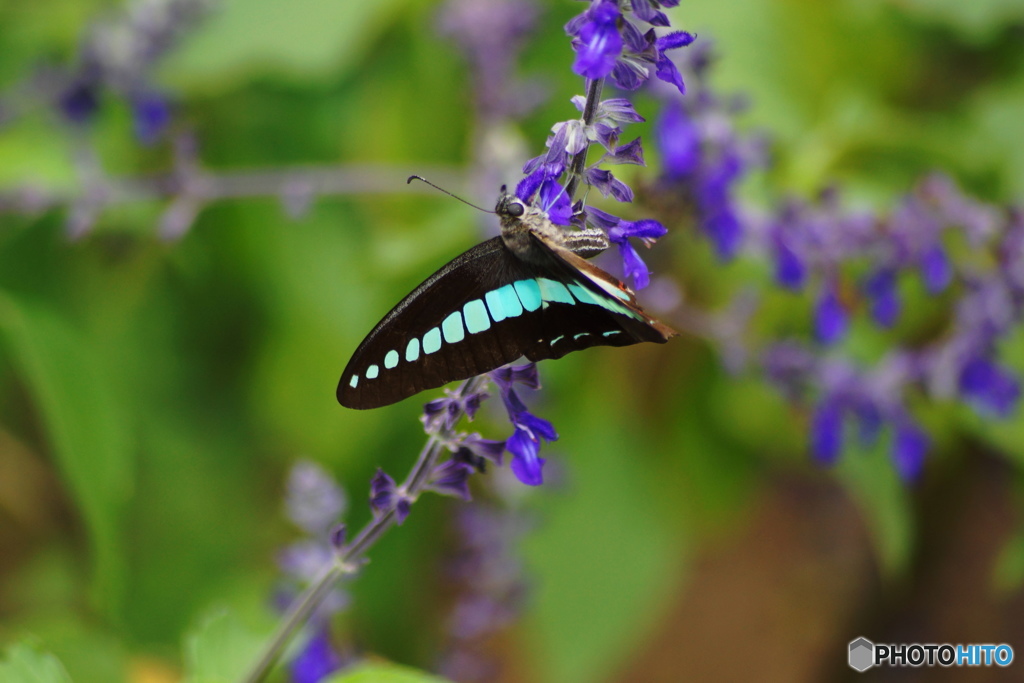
(862, 654)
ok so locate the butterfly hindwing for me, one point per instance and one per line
(487, 308)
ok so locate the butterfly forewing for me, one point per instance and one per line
(487, 308)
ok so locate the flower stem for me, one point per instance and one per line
(349, 558)
(579, 161)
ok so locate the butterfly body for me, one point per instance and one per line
(529, 292)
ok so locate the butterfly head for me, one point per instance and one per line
(509, 206)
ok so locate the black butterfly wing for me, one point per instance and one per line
(487, 308)
(448, 328)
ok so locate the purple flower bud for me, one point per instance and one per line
(989, 388)
(827, 431)
(607, 184)
(525, 374)
(936, 269)
(830, 319)
(382, 492)
(487, 449)
(630, 153)
(644, 9)
(618, 110)
(445, 413)
(451, 478)
(881, 291)
(338, 536)
(910, 445)
(599, 41)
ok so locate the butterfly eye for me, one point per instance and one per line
(515, 209)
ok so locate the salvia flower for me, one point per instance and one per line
(529, 430)
(385, 497)
(609, 44)
(646, 231)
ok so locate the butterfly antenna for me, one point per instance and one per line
(416, 177)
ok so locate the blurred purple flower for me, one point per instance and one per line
(830, 319)
(881, 292)
(316, 660)
(827, 432)
(910, 445)
(152, 114)
(936, 269)
(313, 500)
(991, 389)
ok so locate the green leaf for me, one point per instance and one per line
(384, 673)
(84, 424)
(220, 649)
(307, 38)
(22, 663)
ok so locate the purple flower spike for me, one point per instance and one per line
(989, 388)
(600, 42)
(827, 432)
(830, 319)
(316, 661)
(936, 269)
(909, 447)
(526, 463)
(885, 302)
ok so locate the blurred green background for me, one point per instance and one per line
(154, 393)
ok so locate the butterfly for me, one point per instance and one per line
(528, 292)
